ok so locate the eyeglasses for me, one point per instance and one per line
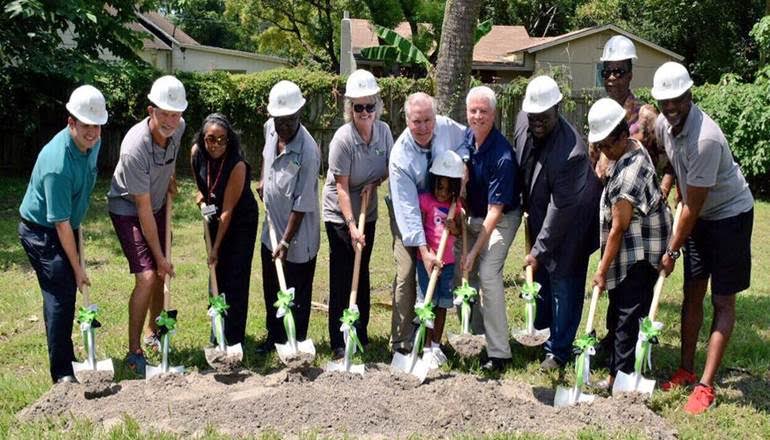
(358, 108)
(216, 140)
(617, 73)
(165, 161)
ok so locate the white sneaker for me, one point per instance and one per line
(429, 358)
(439, 355)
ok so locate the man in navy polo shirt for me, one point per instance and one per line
(493, 218)
(53, 207)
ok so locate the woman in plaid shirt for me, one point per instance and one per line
(635, 225)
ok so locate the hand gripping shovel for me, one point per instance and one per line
(649, 330)
(167, 319)
(350, 315)
(412, 363)
(584, 349)
(465, 344)
(289, 353)
(86, 317)
(222, 356)
(529, 336)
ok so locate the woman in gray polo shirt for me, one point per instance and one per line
(358, 164)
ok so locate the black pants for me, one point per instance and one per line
(234, 275)
(341, 260)
(57, 284)
(630, 303)
(300, 277)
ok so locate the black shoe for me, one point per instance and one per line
(495, 365)
(403, 350)
(338, 353)
(265, 347)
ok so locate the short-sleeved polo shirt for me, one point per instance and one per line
(492, 174)
(701, 157)
(143, 167)
(291, 184)
(362, 163)
(61, 183)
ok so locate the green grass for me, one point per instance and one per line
(744, 387)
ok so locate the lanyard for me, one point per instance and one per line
(209, 186)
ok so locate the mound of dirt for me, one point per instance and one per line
(466, 345)
(221, 361)
(379, 404)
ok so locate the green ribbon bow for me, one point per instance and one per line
(285, 300)
(648, 335)
(349, 319)
(425, 313)
(466, 293)
(218, 304)
(530, 291)
(87, 316)
(166, 322)
(584, 347)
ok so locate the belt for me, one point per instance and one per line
(34, 226)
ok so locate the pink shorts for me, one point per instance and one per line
(135, 247)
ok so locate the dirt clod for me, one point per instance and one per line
(97, 383)
(298, 361)
(530, 340)
(380, 404)
(221, 361)
(467, 345)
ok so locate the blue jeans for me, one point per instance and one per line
(57, 284)
(442, 295)
(560, 308)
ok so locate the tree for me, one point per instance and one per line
(208, 23)
(540, 18)
(455, 57)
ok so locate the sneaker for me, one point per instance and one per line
(550, 363)
(152, 341)
(439, 355)
(495, 365)
(701, 400)
(136, 362)
(681, 378)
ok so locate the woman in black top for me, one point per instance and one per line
(223, 178)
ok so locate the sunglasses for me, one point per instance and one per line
(358, 108)
(617, 73)
(214, 140)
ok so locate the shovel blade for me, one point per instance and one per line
(351, 368)
(570, 396)
(531, 339)
(152, 371)
(410, 364)
(632, 383)
(103, 365)
(288, 350)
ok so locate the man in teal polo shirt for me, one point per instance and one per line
(54, 205)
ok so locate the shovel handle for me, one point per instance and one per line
(592, 309)
(359, 250)
(529, 274)
(527, 241)
(167, 278)
(212, 268)
(656, 294)
(465, 249)
(82, 256)
(274, 244)
(440, 253)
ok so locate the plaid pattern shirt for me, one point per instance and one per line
(633, 178)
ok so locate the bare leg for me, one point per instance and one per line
(721, 329)
(138, 305)
(692, 319)
(156, 306)
(438, 325)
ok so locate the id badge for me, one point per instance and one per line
(208, 211)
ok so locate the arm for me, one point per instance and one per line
(406, 210)
(696, 197)
(193, 153)
(494, 214)
(622, 211)
(67, 240)
(343, 198)
(233, 192)
(150, 232)
(305, 197)
(295, 219)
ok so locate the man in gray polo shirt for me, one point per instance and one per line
(714, 229)
(142, 180)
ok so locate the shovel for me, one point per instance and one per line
(649, 330)
(529, 336)
(167, 319)
(465, 344)
(222, 355)
(351, 314)
(86, 317)
(584, 349)
(412, 363)
(288, 352)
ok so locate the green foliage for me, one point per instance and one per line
(208, 23)
(761, 34)
(397, 50)
(541, 18)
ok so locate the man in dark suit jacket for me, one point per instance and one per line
(561, 195)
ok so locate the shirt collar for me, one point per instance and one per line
(688, 123)
(470, 138)
(357, 136)
(73, 149)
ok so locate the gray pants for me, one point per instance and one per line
(404, 290)
(489, 314)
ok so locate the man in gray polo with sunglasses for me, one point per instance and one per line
(141, 184)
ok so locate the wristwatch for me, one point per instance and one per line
(284, 244)
(673, 254)
(350, 220)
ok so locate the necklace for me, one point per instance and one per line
(211, 187)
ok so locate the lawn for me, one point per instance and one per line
(743, 387)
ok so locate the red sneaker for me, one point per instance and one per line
(702, 399)
(681, 378)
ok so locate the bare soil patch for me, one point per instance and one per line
(380, 404)
(467, 345)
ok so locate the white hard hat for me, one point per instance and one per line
(542, 94)
(87, 105)
(168, 94)
(448, 164)
(671, 80)
(285, 99)
(619, 48)
(603, 117)
(361, 83)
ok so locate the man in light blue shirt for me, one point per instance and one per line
(53, 207)
(426, 136)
